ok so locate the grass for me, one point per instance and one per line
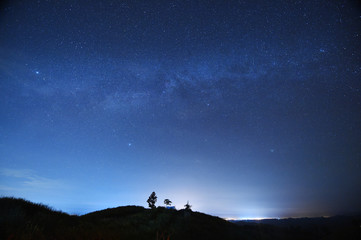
(21, 219)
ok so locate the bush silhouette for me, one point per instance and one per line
(152, 200)
(187, 206)
(167, 202)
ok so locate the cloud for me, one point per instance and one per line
(16, 173)
(17, 180)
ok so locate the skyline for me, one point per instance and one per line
(246, 109)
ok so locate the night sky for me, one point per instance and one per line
(245, 108)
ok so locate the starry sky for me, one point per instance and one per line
(247, 109)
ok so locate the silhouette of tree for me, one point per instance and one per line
(187, 206)
(167, 202)
(152, 200)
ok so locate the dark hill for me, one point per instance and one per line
(21, 219)
(180, 224)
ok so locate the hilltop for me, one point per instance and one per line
(21, 219)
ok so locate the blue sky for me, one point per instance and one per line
(246, 109)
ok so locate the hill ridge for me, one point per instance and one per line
(22, 219)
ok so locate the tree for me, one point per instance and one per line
(167, 202)
(152, 200)
(187, 206)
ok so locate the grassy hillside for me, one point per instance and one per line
(21, 219)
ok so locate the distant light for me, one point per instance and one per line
(129, 144)
(232, 219)
(272, 150)
(250, 218)
(37, 72)
(255, 218)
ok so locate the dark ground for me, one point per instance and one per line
(21, 219)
